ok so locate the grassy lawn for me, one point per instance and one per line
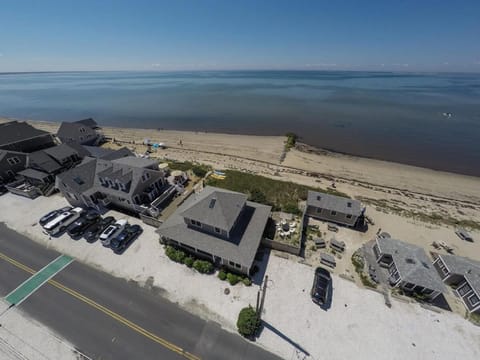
(281, 195)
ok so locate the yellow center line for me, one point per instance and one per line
(106, 311)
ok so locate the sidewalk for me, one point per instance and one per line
(22, 338)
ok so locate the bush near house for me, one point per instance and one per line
(203, 266)
(233, 279)
(174, 254)
(247, 282)
(248, 322)
(281, 195)
(189, 261)
(222, 275)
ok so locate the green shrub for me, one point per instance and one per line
(247, 282)
(292, 209)
(222, 275)
(200, 170)
(248, 322)
(233, 279)
(258, 196)
(189, 261)
(174, 254)
(203, 267)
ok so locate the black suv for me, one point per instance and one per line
(321, 286)
(77, 228)
(93, 231)
(125, 238)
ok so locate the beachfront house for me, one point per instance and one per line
(218, 225)
(22, 137)
(84, 132)
(409, 267)
(464, 275)
(129, 184)
(336, 209)
(17, 139)
(38, 176)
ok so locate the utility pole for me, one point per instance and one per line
(262, 301)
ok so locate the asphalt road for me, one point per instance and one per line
(110, 318)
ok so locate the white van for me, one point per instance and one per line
(112, 231)
(60, 223)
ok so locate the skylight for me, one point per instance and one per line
(212, 203)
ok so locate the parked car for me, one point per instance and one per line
(77, 228)
(60, 223)
(52, 214)
(125, 238)
(112, 231)
(92, 233)
(321, 286)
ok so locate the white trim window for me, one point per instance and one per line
(464, 289)
(13, 160)
(217, 230)
(333, 213)
(473, 299)
(442, 267)
(196, 223)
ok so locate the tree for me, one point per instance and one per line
(248, 322)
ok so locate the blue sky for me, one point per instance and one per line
(421, 35)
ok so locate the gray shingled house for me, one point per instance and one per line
(17, 139)
(463, 274)
(22, 137)
(84, 132)
(408, 266)
(127, 183)
(38, 175)
(218, 225)
(334, 208)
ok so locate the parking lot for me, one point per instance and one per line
(356, 315)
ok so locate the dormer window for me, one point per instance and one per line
(82, 130)
(145, 176)
(13, 160)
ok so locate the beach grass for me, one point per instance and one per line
(281, 195)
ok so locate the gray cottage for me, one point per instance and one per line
(17, 139)
(84, 132)
(218, 225)
(464, 275)
(22, 137)
(334, 208)
(408, 266)
(129, 183)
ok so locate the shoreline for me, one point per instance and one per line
(262, 155)
(311, 148)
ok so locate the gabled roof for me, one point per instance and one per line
(117, 154)
(34, 174)
(136, 162)
(4, 153)
(334, 203)
(469, 268)
(217, 208)
(78, 132)
(81, 177)
(14, 131)
(61, 152)
(88, 122)
(412, 263)
(41, 159)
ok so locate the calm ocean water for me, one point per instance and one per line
(391, 116)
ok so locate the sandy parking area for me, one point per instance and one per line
(364, 328)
